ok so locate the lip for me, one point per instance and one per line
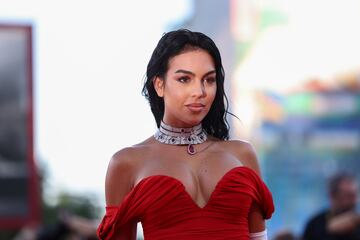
(195, 107)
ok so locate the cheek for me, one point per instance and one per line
(212, 94)
(177, 96)
(173, 96)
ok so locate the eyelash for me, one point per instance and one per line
(185, 79)
(210, 80)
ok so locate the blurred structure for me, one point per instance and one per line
(19, 195)
(284, 235)
(23, 215)
(68, 226)
(72, 217)
(340, 221)
(297, 93)
(305, 137)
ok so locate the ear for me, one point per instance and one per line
(159, 86)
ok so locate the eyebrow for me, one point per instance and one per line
(193, 74)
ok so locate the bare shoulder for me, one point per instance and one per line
(123, 161)
(126, 160)
(245, 152)
(119, 176)
(121, 173)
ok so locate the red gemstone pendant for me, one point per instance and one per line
(191, 149)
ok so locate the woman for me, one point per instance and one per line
(188, 181)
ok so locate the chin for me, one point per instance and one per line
(194, 122)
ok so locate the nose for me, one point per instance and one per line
(198, 89)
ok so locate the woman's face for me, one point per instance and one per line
(189, 88)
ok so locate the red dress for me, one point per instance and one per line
(167, 211)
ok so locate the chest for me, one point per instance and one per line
(199, 173)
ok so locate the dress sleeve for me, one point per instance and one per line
(105, 230)
(261, 195)
(144, 197)
(118, 216)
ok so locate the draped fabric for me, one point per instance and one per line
(167, 211)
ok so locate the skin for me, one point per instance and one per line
(190, 79)
(345, 199)
(344, 202)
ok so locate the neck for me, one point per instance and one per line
(177, 129)
(179, 136)
(177, 123)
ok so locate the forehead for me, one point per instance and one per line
(192, 59)
(348, 185)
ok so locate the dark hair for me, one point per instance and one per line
(172, 44)
(337, 179)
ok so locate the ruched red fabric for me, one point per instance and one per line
(167, 211)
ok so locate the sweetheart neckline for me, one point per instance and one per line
(200, 208)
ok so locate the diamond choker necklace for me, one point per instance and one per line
(181, 136)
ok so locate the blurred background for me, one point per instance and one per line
(71, 74)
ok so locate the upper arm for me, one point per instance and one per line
(119, 181)
(343, 223)
(247, 155)
(256, 219)
(119, 177)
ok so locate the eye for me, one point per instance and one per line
(210, 80)
(183, 79)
